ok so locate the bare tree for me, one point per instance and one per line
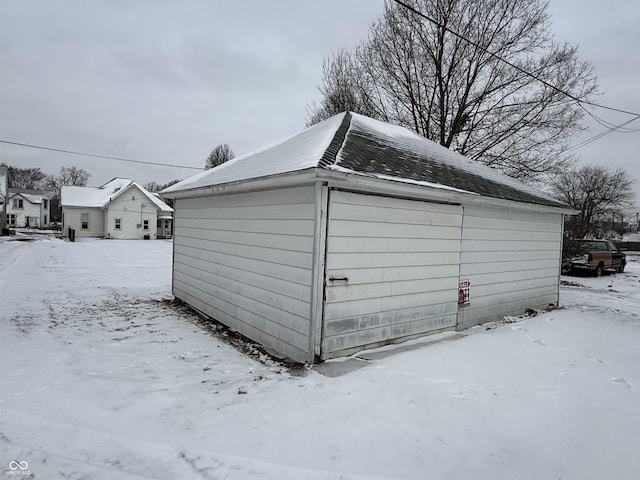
(73, 176)
(158, 187)
(28, 178)
(341, 89)
(457, 92)
(219, 155)
(67, 176)
(597, 193)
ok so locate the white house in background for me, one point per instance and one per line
(356, 233)
(29, 208)
(119, 209)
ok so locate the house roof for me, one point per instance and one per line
(298, 152)
(100, 197)
(32, 195)
(34, 199)
(360, 145)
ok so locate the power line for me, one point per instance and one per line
(612, 126)
(513, 65)
(120, 159)
(599, 136)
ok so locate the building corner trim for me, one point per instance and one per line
(318, 272)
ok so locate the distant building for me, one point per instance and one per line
(28, 208)
(120, 209)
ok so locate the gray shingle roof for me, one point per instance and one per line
(361, 145)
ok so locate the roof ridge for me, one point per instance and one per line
(330, 155)
(114, 178)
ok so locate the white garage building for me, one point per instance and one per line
(355, 233)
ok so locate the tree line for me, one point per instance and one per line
(36, 179)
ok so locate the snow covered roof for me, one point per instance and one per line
(31, 195)
(297, 152)
(72, 196)
(360, 145)
(34, 199)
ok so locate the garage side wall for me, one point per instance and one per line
(246, 260)
(512, 260)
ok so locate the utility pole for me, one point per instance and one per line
(4, 189)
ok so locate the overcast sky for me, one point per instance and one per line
(166, 81)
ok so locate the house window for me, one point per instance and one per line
(45, 203)
(11, 219)
(85, 221)
(145, 225)
(18, 203)
(118, 222)
(45, 220)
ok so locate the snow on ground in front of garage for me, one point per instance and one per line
(102, 378)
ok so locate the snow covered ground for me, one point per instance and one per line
(102, 378)
(631, 237)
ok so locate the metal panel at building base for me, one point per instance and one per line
(392, 271)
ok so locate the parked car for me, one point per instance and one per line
(594, 256)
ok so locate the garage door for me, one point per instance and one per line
(392, 270)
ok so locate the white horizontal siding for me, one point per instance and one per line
(511, 259)
(401, 259)
(296, 243)
(246, 260)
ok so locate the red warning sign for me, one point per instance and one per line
(464, 287)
